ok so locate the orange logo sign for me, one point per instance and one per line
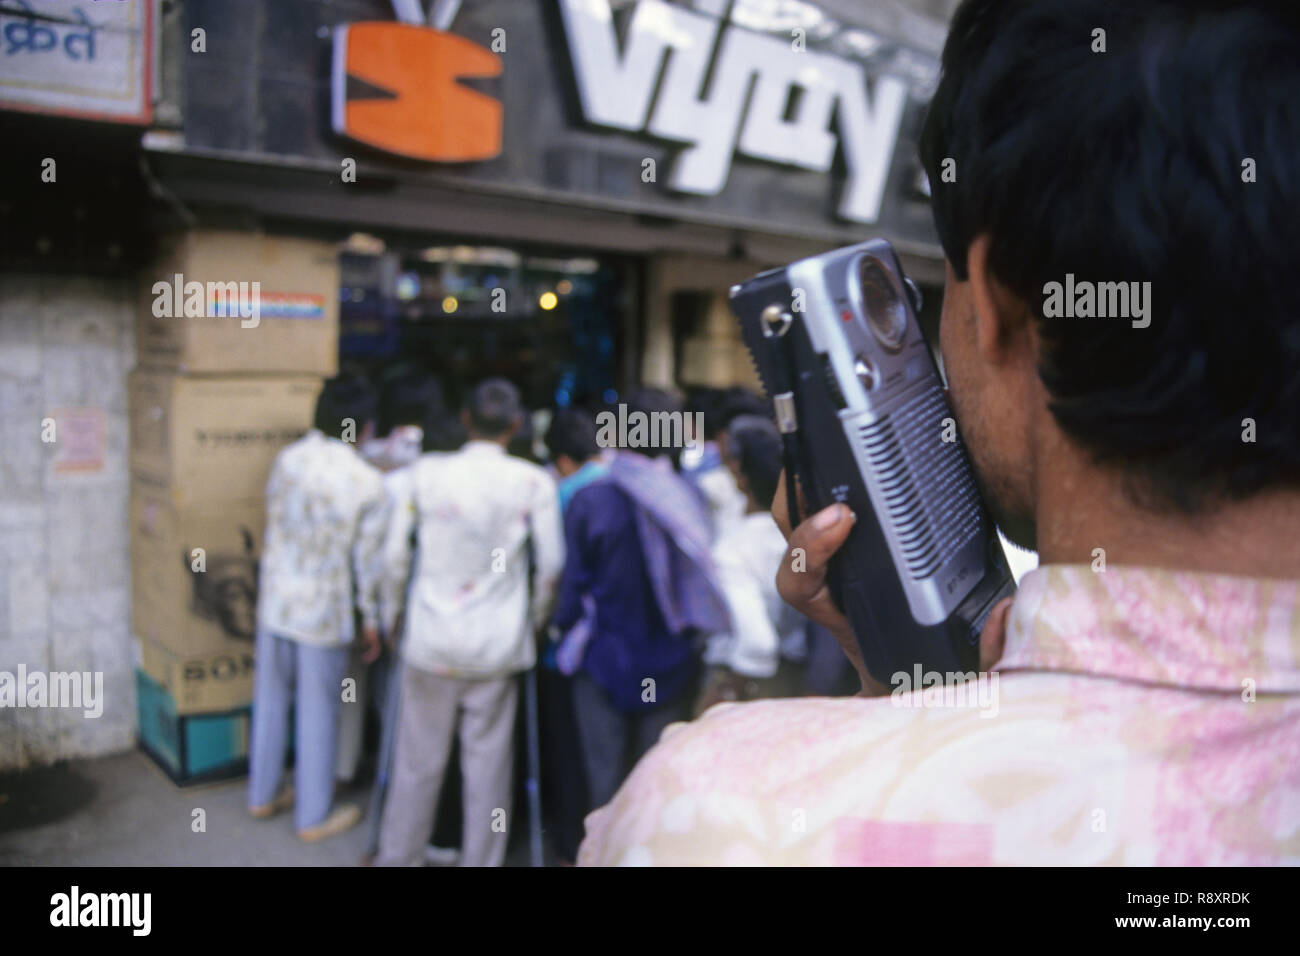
(396, 87)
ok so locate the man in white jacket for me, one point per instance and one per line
(469, 624)
(324, 527)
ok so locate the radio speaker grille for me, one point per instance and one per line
(928, 488)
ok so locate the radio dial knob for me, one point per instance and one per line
(866, 373)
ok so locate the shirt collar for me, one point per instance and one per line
(483, 445)
(316, 435)
(1203, 631)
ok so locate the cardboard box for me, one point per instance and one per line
(213, 439)
(200, 683)
(190, 748)
(194, 572)
(221, 302)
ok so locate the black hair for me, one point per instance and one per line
(707, 401)
(343, 398)
(494, 408)
(443, 431)
(521, 442)
(1168, 158)
(651, 402)
(572, 432)
(737, 401)
(408, 398)
(755, 444)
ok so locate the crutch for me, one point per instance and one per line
(392, 707)
(534, 782)
(533, 785)
(387, 745)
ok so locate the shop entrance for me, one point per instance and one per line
(558, 324)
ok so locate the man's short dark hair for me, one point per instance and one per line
(651, 402)
(755, 444)
(343, 398)
(409, 397)
(494, 408)
(443, 431)
(707, 401)
(572, 432)
(1170, 158)
(737, 401)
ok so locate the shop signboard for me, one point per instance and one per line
(86, 58)
(744, 115)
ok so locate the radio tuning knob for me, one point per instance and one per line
(866, 372)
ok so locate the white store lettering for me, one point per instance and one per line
(616, 90)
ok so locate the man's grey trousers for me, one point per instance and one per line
(432, 708)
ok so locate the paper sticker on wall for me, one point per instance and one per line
(79, 446)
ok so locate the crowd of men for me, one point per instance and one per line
(421, 560)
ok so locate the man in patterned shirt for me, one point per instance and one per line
(1148, 707)
(324, 528)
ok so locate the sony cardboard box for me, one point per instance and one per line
(220, 302)
(194, 572)
(213, 439)
(190, 748)
(200, 683)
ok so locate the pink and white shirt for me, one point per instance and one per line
(1137, 717)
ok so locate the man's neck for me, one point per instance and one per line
(1081, 508)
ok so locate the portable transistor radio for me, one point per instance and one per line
(865, 421)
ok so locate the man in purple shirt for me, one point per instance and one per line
(636, 553)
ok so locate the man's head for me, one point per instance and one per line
(1161, 151)
(735, 402)
(443, 431)
(654, 404)
(754, 457)
(571, 440)
(494, 412)
(346, 408)
(410, 397)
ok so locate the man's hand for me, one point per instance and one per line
(392, 640)
(811, 547)
(801, 579)
(370, 646)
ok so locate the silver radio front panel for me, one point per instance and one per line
(921, 488)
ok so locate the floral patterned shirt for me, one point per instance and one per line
(325, 520)
(1137, 717)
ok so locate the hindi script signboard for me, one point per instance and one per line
(88, 58)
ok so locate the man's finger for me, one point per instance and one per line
(994, 636)
(822, 535)
(779, 510)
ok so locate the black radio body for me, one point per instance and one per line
(865, 421)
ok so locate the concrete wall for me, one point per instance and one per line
(65, 342)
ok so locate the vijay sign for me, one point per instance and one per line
(616, 88)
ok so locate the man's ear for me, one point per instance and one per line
(1002, 323)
